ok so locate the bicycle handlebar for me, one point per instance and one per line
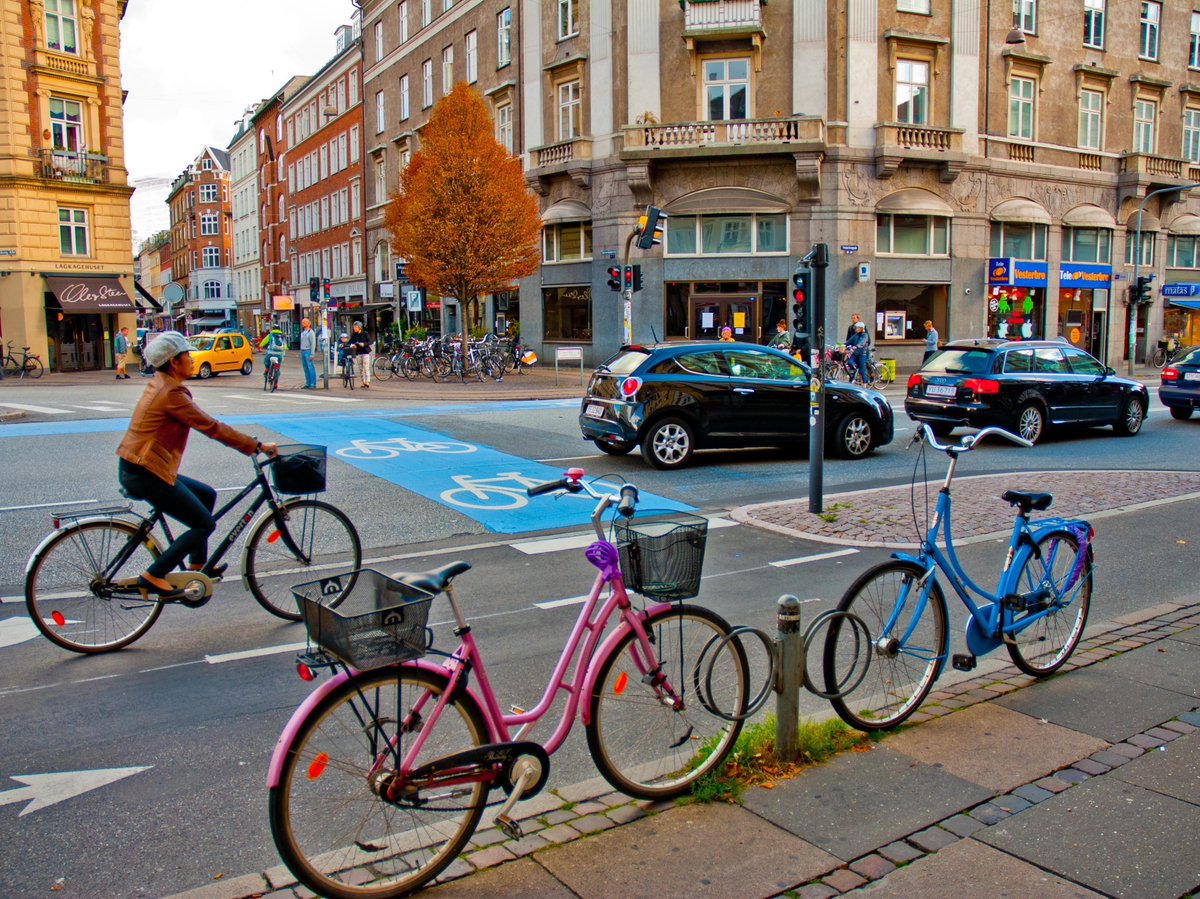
(625, 499)
(968, 442)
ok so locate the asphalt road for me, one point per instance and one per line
(199, 701)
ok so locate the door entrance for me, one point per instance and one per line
(76, 343)
(710, 314)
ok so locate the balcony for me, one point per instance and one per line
(73, 167)
(1142, 173)
(783, 135)
(570, 157)
(897, 144)
(1023, 151)
(574, 150)
(721, 17)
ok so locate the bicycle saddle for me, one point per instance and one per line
(434, 581)
(1037, 502)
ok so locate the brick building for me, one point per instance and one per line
(201, 240)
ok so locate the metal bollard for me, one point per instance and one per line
(789, 676)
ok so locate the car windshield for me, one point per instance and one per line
(201, 343)
(1192, 358)
(954, 361)
(625, 362)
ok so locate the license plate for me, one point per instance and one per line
(594, 410)
(940, 390)
(1192, 376)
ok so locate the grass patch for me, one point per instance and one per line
(830, 515)
(753, 762)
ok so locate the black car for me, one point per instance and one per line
(1179, 389)
(675, 398)
(1025, 386)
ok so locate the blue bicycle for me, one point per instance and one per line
(886, 644)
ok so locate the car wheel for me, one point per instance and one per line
(1031, 422)
(247, 367)
(1133, 415)
(1181, 413)
(619, 448)
(852, 436)
(204, 371)
(668, 443)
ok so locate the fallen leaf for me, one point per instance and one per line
(767, 785)
(1181, 543)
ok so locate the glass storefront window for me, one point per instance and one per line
(567, 313)
(912, 235)
(1019, 240)
(901, 311)
(1086, 244)
(772, 233)
(681, 235)
(725, 234)
(735, 234)
(1181, 252)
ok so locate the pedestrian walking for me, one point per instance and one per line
(308, 345)
(726, 335)
(361, 344)
(931, 341)
(121, 353)
(782, 339)
(855, 319)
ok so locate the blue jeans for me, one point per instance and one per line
(310, 370)
(188, 501)
(858, 363)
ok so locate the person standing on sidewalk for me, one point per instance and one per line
(931, 339)
(121, 353)
(308, 345)
(361, 345)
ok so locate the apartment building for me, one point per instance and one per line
(243, 184)
(152, 273)
(981, 165)
(66, 274)
(201, 241)
(322, 127)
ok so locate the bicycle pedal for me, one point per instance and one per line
(509, 827)
(963, 662)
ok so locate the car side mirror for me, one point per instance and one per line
(1109, 370)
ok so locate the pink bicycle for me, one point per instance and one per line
(383, 773)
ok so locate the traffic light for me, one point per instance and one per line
(326, 289)
(614, 278)
(1142, 291)
(313, 284)
(637, 278)
(650, 227)
(798, 314)
(627, 279)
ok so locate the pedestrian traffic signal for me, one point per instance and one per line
(627, 279)
(637, 278)
(313, 284)
(650, 228)
(1142, 291)
(614, 278)
(327, 289)
(798, 317)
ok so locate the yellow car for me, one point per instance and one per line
(215, 353)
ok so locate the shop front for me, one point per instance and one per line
(1083, 304)
(1016, 299)
(82, 321)
(698, 310)
(1181, 312)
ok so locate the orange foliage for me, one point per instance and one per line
(463, 218)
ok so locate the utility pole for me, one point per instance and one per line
(818, 260)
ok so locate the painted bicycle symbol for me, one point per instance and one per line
(368, 450)
(504, 491)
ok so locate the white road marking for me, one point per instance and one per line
(784, 563)
(16, 630)
(25, 407)
(585, 539)
(558, 603)
(254, 653)
(312, 397)
(45, 790)
(570, 458)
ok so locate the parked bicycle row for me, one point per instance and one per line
(443, 359)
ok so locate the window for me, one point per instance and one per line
(1020, 240)
(426, 12)
(446, 5)
(569, 110)
(1025, 15)
(447, 70)
(1147, 253)
(403, 97)
(567, 313)
(913, 6)
(504, 127)
(60, 26)
(1145, 115)
(208, 193)
(402, 17)
(732, 234)
(1093, 24)
(206, 164)
(427, 84)
(378, 41)
(209, 226)
(912, 92)
(912, 235)
(471, 53)
(1182, 251)
(66, 124)
(355, 200)
(567, 242)
(1191, 135)
(353, 81)
(503, 38)
(210, 257)
(567, 23)
(212, 291)
(1086, 245)
(1148, 34)
(72, 230)
(1020, 108)
(1091, 119)
(1194, 43)
(726, 88)
(379, 112)
(380, 180)
(354, 144)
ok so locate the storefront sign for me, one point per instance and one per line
(387, 290)
(283, 303)
(1000, 272)
(1003, 272)
(90, 295)
(1085, 276)
(1181, 290)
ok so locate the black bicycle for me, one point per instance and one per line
(81, 582)
(30, 364)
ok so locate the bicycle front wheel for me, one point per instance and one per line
(382, 367)
(34, 367)
(326, 539)
(907, 646)
(655, 741)
(70, 592)
(333, 829)
(1056, 595)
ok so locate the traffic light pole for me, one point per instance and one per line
(627, 293)
(818, 260)
(323, 346)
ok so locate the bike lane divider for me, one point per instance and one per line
(474, 480)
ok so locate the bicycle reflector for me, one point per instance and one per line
(630, 387)
(304, 672)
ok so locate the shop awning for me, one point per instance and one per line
(567, 211)
(78, 295)
(1186, 304)
(1020, 209)
(207, 321)
(1186, 224)
(914, 201)
(147, 302)
(1088, 216)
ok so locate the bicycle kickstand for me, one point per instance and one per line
(528, 771)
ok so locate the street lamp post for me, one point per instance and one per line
(1137, 260)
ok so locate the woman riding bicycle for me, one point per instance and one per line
(150, 453)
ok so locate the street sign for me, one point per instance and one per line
(414, 301)
(849, 248)
(608, 254)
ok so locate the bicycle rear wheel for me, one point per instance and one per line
(331, 826)
(34, 367)
(644, 744)
(905, 659)
(1057, 597)
(323, 534)
(69, 589)
(382, 367)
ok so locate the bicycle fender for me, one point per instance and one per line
(905, 557)
(605, 649)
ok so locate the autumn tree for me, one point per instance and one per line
(463, 219)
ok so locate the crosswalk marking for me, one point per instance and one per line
(784, 563)
(293, 397)
(25, 407)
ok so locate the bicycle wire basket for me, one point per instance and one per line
(661, 553)
(300, 468)
(365, 618)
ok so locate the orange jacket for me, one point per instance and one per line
(158, 430)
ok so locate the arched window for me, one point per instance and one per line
(212, 290)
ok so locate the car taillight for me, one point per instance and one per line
(913, 380)
(981, 386)
(1170, 374)
(630, 387)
